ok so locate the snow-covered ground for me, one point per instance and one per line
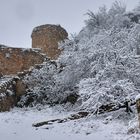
(17, 125)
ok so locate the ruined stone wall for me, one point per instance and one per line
(47, 37)
(11, 89)
(7, 93)
(13, 60)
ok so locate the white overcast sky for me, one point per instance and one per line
(19, 17)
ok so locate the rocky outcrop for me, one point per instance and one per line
(47, 37)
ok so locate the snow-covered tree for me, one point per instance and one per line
(101, 64)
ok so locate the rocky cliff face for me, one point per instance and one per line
(47, 37)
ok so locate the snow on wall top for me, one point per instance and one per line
(13, 60)
(47, 38)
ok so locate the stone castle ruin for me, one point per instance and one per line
(15, 63)
(47, 37)
(45, 41)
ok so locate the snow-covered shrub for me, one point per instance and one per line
(101, 64)
(40, 84)
(105, 19)
(45, 87)
(104, 64)
(94, 93)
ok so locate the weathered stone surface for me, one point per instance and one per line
(47, 37)
(13, 60)
(11, 89)
(7, 103)
(20, 88)
(7, 94)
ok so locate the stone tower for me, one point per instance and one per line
(47, 37)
